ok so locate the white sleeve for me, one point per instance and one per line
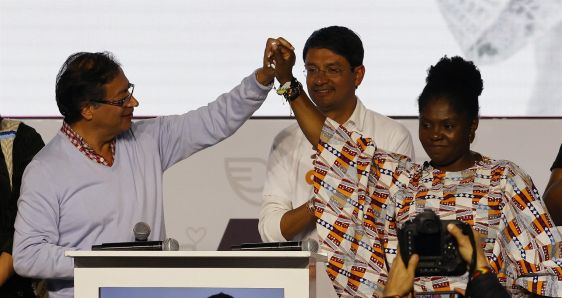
(277, 190)
(401, 143)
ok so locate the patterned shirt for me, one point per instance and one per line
(83, 147)
(363, 195)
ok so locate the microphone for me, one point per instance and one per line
(141, 231)
(304, 245)
(169, 244)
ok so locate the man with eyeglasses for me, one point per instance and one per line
(102, 173)
(333, 58)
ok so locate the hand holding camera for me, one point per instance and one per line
(435, 242)
(465, 247)
(428, 237)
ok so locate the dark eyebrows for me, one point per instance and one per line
(448, 119)
(331, 64)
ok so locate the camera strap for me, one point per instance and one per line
(472, 266)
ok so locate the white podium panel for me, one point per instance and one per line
(288, 273)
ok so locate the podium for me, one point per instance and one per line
(109, 274)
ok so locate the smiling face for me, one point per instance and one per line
(333, 82)
(446, 135)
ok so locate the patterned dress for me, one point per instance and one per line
(362, 195)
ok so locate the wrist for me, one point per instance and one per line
(310, 207)
(482, 261)
(393, 292)
(285, 78)
(263, 78)
(393, 295)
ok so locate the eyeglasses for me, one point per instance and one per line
(330, 72)
(119, 102)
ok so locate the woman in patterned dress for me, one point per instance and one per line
(363, 195)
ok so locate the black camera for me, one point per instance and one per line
(427, 236)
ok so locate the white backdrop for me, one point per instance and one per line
(225, 181)
(181, 54)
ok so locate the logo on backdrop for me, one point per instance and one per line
(246, 177)
(194, 236)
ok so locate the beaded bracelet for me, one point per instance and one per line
(290, 90)
(284, 88)
(480, 271)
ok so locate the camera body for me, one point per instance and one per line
(427, 236)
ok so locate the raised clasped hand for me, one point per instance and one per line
(279, 57)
